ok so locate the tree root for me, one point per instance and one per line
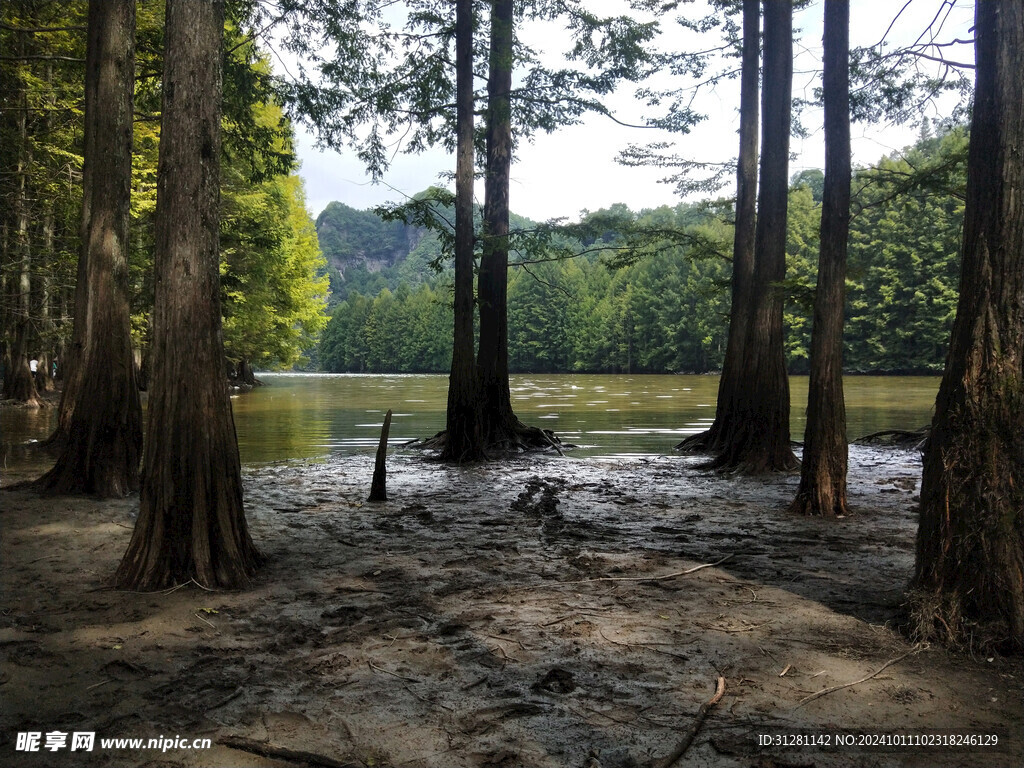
(941, 618)
(520, 439)
(900, 438)
(703, 442)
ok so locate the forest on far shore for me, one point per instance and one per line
(666, 309)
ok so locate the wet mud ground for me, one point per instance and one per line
(538, 612)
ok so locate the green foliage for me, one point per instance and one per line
(665, 311)
(43, 45)
(648, 291)
(273, 297)
(813, 179)
(272, 277)
(379, 76)
(904, 257)
(401, 332)
(802, 243)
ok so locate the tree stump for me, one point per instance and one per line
(378, 488)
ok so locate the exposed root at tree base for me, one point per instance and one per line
(940, 618)
(901, 438)
(702, 442)
(521, 439)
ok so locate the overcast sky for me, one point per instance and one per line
(561, 174)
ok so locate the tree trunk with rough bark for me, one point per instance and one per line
(969, 576)
(822, 488)
(500, 429)
(463, 439)
(71, 371)
(757, 439)
(498, 422)
(191, 522)
(103, 445)
(711, 440)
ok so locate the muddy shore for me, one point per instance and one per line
(539, 612)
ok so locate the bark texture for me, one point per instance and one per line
(757, 437)
(463, 441)
(101, 441)
(500, 429)
(71, 368)
(711, 440)
(969, 576)
(822, 489)
(191, 521)
(497, 418)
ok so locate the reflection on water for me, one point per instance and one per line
(314, 415)
(309, 416)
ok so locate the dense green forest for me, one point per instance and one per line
(272, 281)
(668, 312)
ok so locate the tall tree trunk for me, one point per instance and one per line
(463, 427)
(103, 445)
(498, 421)
(711, 440)
(822, 488)
(969, 576)
(44, 377)
(72, 372)
(758, 437)
(191, 522)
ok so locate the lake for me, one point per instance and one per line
(310, 416)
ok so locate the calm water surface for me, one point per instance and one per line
(308, 416)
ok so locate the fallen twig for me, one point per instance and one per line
(740, 629)
(694, 727)
(230, 697)
(507, 640)
(265, 749)
(647, 578)
(475, 683)
(431, 702)
(552, 443)
(916, 649)
(386, 672)
(650, 648)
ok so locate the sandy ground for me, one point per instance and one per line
(530, 613)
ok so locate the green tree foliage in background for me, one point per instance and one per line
(274, 295)
(273, 300)
(42, 70)
(668, 312)
(904, 257)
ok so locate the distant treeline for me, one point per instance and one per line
(668, 311)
